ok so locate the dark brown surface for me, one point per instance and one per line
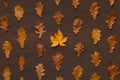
(30, 19)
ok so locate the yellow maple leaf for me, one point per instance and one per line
(58, 39)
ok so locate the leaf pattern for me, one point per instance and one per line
(94, 10)
(76, 3)
(58, 39)
(112, 2)
(7, 47)
(6, 73)
(57, 2)
(21, 62)
(5, 2)
(95, 76)
(96, 58)
(59, 78)
(21, 78)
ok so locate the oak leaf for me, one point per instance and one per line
(111, 2)
(77, 72)
(111, 20)
(18, 12)
(94, 10)
(6, 73)
(57, 58)
(5, 2)
(7, 47)
(95, 76)
(40, 71)
(76, 3)
(22, 36)
(113, 71)
(59, 78)
(21, 63)
(79, 48)
(40, 29)
(96, 58)
(77, 24)
(111, 43)
(21, 78)
(58, 39)
(39, 9)
(96, 35)
(4, 22)
(57, 2)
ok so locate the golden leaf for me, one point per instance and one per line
(77, 22)
(40, 71)
(18, 12)
(111, 42)
(111, 20)
(94, 10)
(77, 72)
(40, 49)
(6, 73)
(79, 48)
(96, 34)
(7, 47)
(59, 78)
(22, 36)
(112, 2)
(58, 17)
(40, 29)
(113, 71)
(5, 2)
(21, 62)
(4, 22)
(58, 60)
(76, 3)
(95, 76)
(96, 58)
(57, 2)
(39, 9)
(21, 78)
(58, 39)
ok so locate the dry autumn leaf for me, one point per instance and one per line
(7, 47)
(21, 78)
(21, 63)
(76, 3)
(58, 17)
(5, 2)
(94, 10)
(40, 29)
(4, 22)
(77, 22)
(111, 2)
(40, 71)
(58, 39)
(57, 2)
(96, 35)
(18, 12)
(57, 58)
(39, 9)
(40, 49)
(111, 43)
(113, 71)
(6, 73)
(59, 78)
(77, 72)
(111, 20)
(95, 76)
(96, 58)
(79, 48)
(22, 36)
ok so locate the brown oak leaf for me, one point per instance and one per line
(94, 10)
(57, 2)
(111, 43)
(95, 76)
(4, 22)
(57, 58)
(96, 58)
(58, 17)
(39, 9)
(40, 29)
(113, 71)
(79, 48)
(59, 78)
(76, 3)
(111, 20)
(40, 49)
(21, 62)
(21, 78)
(5, 2)
(111, 2)
(6, 73)
(77, 24)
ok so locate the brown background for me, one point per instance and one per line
(30, 19)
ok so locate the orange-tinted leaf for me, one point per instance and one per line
(21, 63)
(6, 73)
(111, 2)
(76, 3)
(95, 76)
(57, 2)
(59, 78)
(5, 2)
